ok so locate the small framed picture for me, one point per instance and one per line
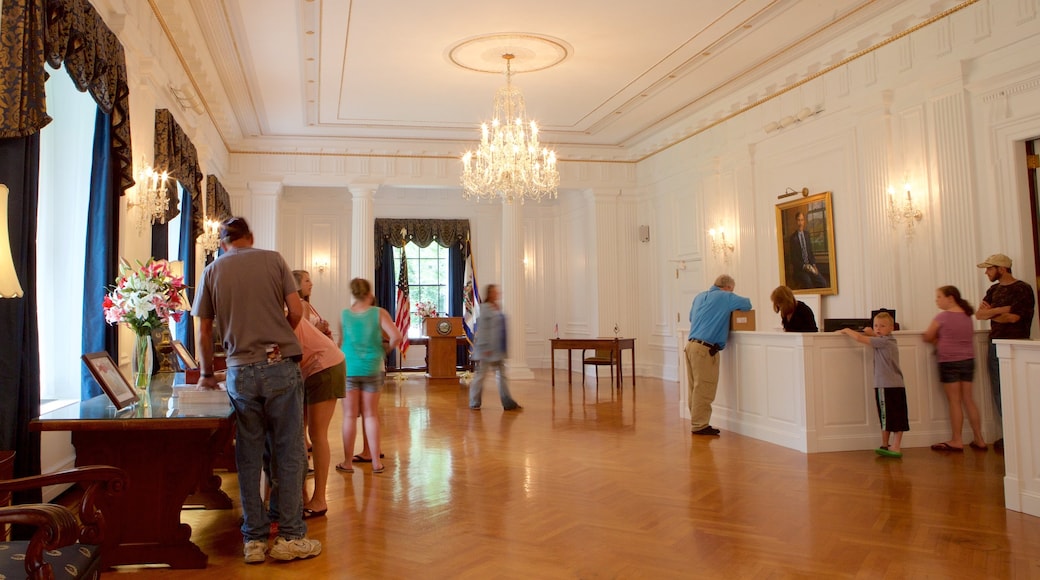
(111, 380)
(188, 362)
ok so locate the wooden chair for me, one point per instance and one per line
(600, 357)
(66, 544)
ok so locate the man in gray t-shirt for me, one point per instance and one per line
(251, 294)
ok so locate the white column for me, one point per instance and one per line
(263, 220)
(513, 291)
(362, 244)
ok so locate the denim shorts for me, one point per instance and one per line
(957, 371)
(369, 384)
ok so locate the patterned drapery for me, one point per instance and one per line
(218, 201)
(422, 232)
(175, 153)
(68, 32)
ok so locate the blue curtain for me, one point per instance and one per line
(102, 261)
(19, 332)
(386, 291)
(456, 281)
(185, 331)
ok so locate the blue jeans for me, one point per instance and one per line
(993, 366)
(268, 401)
(476, 387)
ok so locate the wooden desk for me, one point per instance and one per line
(167, 455)
(615, 345)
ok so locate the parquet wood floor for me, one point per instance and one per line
(590, 485)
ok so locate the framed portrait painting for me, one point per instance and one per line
(111, 380)
(805, 240)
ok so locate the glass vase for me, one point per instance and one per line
(141, 362)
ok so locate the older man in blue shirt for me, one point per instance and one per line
(709, 329)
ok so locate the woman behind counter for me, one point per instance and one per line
(794, 314)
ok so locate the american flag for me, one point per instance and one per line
(403, 320)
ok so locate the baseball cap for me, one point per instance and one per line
(996, 260)
(232, 229)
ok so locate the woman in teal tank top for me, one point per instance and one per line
(362, 327)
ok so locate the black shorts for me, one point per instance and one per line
(891, 409)
(957, 371)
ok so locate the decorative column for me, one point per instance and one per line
(263, 220)
(513, 291)
(362, 243)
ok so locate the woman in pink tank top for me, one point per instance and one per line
(952, 332)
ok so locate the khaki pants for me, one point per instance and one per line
(702, 372)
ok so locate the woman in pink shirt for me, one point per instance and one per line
(952, 332)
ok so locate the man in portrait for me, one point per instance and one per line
(803, 272)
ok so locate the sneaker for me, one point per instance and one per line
(255, 551)
(292, 549)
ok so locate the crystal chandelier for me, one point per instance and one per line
(151, 200)
(209, 239)
(509, 163)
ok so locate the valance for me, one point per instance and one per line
(218, 201)
(68, 32)
(422, 232)
(175, 153)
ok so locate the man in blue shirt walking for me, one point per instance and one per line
(709, 329)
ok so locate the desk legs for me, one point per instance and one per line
(552, 364)
(163, 467)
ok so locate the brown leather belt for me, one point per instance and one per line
(712, 348)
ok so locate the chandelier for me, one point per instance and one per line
(151, 200)
(509, 163)
(209, 239)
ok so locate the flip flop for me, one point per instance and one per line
(379, 469)
(360, 459)
(888, 452)
(977, 447)
(308, 513)
(342, 469)
(944, 446)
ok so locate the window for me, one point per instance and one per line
(66, 154)
(427, 279)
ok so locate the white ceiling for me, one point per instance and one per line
(376, 75)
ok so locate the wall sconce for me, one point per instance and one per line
(209, 239)
(9, 285)
(719, 245)
(789, 192)
(321, 264)
(903, 212)
(151, 200)
(788, 120)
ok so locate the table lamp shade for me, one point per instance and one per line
(9, 285)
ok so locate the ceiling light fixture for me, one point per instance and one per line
(510, 163)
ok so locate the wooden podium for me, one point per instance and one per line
(440, 354)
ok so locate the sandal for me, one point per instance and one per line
(341, 469)
(379, 469)
(944, 446)
(978, 447)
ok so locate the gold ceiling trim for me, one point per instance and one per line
(816, 75)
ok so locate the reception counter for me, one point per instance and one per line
(1020, 390)
(814, 392)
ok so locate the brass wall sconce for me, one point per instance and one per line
(789, 192)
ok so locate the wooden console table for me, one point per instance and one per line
(615, 345)
(168, 455)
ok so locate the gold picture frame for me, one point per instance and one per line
(805, 241)
(107, 374)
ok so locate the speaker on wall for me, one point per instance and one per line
(644, 234)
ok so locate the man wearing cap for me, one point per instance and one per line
(709, 329)
(1008, 306)
(251, 293)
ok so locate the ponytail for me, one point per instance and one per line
(954, 293)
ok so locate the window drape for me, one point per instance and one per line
(185, 330)
(102, 259)
(218, 201)
(19, 333)
(175, 153)
(56, 32)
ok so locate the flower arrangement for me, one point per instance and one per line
(425, 309)
(144, 299)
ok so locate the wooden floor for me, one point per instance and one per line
(609, 485)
